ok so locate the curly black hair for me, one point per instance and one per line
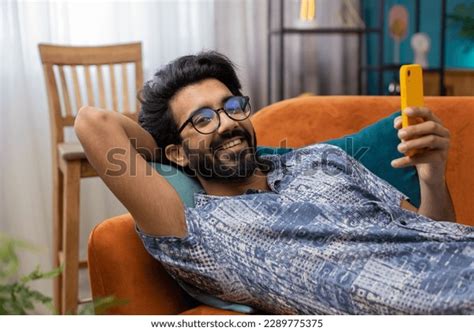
(155, 115)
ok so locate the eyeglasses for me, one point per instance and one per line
(207, 120)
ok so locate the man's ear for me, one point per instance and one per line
(175, 153)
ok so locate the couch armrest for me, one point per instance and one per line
(119, 265)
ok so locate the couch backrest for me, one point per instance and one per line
(301, 121)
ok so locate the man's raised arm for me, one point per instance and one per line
(431, 139)
(111, 139)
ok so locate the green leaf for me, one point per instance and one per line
(100, 305)
(38, 274)
(16, 297)
(463, 17)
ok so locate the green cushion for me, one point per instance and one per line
(183, 184)
(375, 146)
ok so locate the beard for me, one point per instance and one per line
(217, 164)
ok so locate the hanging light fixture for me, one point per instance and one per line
(307, 10)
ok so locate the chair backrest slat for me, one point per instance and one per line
(79, 66)
(77, 89)
(113, 88)
(125, 101)
(90, 92)
(100, 78)
(65, 91)
(54, 104)
(68, 120)
(138, 81)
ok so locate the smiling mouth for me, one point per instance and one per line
(231, 143)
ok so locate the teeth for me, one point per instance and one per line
(231, 144)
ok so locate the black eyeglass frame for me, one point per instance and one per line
(190, 119)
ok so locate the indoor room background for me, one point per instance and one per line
(249, 32)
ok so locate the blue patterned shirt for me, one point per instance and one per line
(329, 238)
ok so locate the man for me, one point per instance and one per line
(312, 231)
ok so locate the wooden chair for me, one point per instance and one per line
(81, 66)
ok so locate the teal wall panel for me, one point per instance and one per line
(457, 52)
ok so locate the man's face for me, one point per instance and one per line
(225, 154)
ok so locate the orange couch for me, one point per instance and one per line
(120, 266)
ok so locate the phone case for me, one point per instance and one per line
(411, 92)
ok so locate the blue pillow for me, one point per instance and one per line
(374, 146)
(185, 185)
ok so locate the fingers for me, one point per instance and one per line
(426, 157)
(423, 129)
(397, 122)
(402, 162)
(429, 142)
(423, 112)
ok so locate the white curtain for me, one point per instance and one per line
(167, 29)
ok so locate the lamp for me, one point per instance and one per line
(307, 10)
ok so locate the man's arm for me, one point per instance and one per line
(116, 146)
(436, 202)
(431, 139)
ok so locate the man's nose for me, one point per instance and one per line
(227, 123)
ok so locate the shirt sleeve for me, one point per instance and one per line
(185, 259)
(164, 247)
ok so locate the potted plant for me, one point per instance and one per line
(17, 297)
(463, 17)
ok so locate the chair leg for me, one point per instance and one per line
(57, 233)
(71, 237)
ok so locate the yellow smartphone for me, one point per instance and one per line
(411, 92)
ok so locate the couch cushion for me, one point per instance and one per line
(375, 146)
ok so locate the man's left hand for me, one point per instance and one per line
(431, 141)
